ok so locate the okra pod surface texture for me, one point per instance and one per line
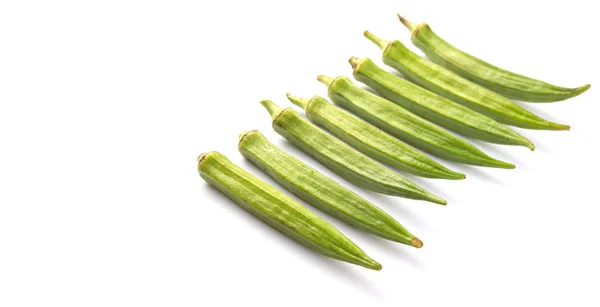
(280, 211)
(434, 107)
(405, 125)
(321, 191)
(346, 161)
(371, 140)
(504, 82)
(446, 83)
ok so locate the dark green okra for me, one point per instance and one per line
(405, 125)
(446, 83)
(507, 83)
(370, 140)
(321, 191)
(434, 107)
(280, 211)
(341, 158)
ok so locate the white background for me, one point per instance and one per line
(105, 105)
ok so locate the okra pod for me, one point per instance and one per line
(280, 211)
(341, 158)
(446, 83)
(404, 125)
(370, 140)
(507, 83)
(321, 191)
(434, 107)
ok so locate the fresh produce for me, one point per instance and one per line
(279, 211)
(321, 191)
(433, 107)
(456, 88)
(501, 81)
(341, 158)
(404, 125)
(370, 140)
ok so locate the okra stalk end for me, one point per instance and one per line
(273, 109)
(378, 41)
(416, 243)
(201, 157)
(325, 80)
(354, 61)
(409, 25)
(301, 102)
(244, 134)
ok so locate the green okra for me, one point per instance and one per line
(321, 191)
(405, 125)
(434, 107)
(280, 211)
(446, 83)
(341, 158)
(507, 83)
(370, 140)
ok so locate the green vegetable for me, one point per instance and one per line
(501, 81)
(320, 191)
(454, 87)
(404, 125)
(433, 107)
(341, 158)
(279, 211)
(370, 140)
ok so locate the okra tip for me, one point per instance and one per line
(416, 243)
(273, 109)
(325, 80)
(409, 25)
(301, 102)
(378, 41)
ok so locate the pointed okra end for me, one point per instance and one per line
(301, 102)
(382, 44)
(579, 90)
(416, 242)
(411, 26)
(273, 109)
(437, 200)
(370, 264)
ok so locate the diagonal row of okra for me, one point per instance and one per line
(454, 90)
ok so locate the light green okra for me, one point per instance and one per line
(341, 158)
(280, 211)
(405, 125)
(321, 191)
(370, 140)
(434, 107)
(446, 83)
(507, 83)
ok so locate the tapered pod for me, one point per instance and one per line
(404, 125)
(446, 83)
(504, 82)
(321, 191)
(280, 211)
(341, 158)
(434, 107)
(371, 140)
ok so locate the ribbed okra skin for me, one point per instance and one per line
(341, 158)
(280, 211)
(405, 125)
(502, 81)
(371, 140)
(446, 83)
(434, 107)
(321, 191)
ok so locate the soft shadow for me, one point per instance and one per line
(393, 204)
(346, 272)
